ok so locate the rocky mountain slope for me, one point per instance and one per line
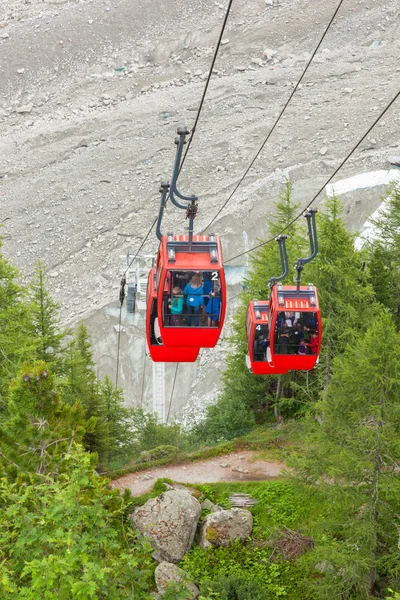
(92, 93)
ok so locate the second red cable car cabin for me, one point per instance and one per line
(191, 290)
(295, 328)
(287, 334)
(158, 351)
(258, 339)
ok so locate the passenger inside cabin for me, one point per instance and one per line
(302, 348)
(213, 308)
(261, 343)
(175, 305)
(313, 344)
(296, 337)
(294, 327)
(194, 299)
(284, 339)
(207, 287)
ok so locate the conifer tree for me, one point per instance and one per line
(357, 447)
(242, 390)
(45, 322)
(111, 437)
(81, 385)
(384, 254)
(41, 430)
(79, 367)
(120, 424)
(16, 345)
(346, 298)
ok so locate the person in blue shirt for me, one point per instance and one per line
(194, 294)
(213, 309)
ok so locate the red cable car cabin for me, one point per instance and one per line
(295, 328)
(159, 352)
(191, 306)
(257, 332)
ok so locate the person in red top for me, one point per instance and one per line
(313, 344)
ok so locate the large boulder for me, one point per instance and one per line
(168, 572)
(170, 521)
(223, 527)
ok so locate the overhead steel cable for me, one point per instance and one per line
(228, 10)
(172, 392)
(278, 118)
(325, 184)
(181, 165)
(195, 122)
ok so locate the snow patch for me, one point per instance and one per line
(363, 181)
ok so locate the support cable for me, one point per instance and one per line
(181, 165)
(172, 392)
(325, 184)
(207, 83)
(278, 118)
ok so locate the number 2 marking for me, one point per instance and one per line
(214, 276)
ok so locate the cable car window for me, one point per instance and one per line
(194, 299)
(296, 333)
(260, 342)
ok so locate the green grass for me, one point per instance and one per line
(284, 507)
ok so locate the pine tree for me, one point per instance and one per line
(247, 399)
(346, 298)
(16, 344)
(120, 424)
(384, 254)
(45, 322)
(357, 448)
(80, 379)
(41, 430)
(111, 437)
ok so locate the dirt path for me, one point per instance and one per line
(230, 467)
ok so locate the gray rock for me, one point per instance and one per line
(170, 521)
(223, 527)
(270, 53)
(394, 160)
(168, 572)
(210, 505)
(25, 108)
(323, 150)
(4, 35)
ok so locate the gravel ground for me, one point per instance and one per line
(230, 467)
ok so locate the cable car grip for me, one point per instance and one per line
(180, 141)
(281, 239)
(312, 235)
(164, 188)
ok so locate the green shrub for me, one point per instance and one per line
(232, 588)
(243, 562)
(157, 453)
